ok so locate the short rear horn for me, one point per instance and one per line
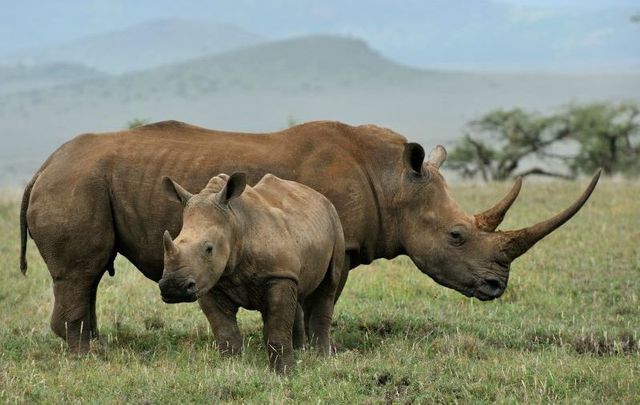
(491, 218)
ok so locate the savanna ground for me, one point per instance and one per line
(567, 329)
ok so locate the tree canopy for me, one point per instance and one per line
(497, 145)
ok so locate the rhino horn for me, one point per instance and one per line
(169, 247)
(517, 242)
(175, 191)
(491, 218)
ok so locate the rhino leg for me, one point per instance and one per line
(73, 317)
(279, 317)
(221, 314)
(320, 325)
(74, 289)
(71, 224)
(320, 304)
(319, 307)
(299, 329)
(76, 266)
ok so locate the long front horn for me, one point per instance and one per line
(491, 218)
(518, 242)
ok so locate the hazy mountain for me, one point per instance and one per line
(260, 88)
(503, 35)
(293, 65)
(142, 46)
(299, 64)
(304, 65)
(16, 78)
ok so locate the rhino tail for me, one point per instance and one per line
(24, 227)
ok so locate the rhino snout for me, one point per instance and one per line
(489, 289)
(174, 290)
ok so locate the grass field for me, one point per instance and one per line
(567, 329)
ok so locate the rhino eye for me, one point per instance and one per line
(456, 238)
(208, 249)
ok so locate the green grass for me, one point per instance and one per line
(567, 329)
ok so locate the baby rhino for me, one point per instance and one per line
(277, 247)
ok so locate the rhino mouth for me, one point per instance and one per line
(179, 299)
(176, 290)
(489, 289)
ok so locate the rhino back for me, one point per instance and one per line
(289, 232)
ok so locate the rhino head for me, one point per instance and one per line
(461, 251)
(196, 259)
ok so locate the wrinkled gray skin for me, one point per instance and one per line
(100, 195)
(266, 248)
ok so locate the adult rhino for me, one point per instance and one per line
(99, 195)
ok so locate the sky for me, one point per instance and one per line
(593, 4)
(434, 33)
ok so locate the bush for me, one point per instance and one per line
(136, 122)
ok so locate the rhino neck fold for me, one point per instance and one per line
(385, 243)
(238, 228)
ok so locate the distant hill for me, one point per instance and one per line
(17, 78)
(299, 64)
(306, 65)
(142, 46)
(294, 65)
(263, 87)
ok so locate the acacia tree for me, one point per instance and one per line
(608, 136)
(501, 140)
(600, 135)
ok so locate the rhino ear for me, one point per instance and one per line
(437, 156)
(234, 188)
(413, 157)
(174, 191)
